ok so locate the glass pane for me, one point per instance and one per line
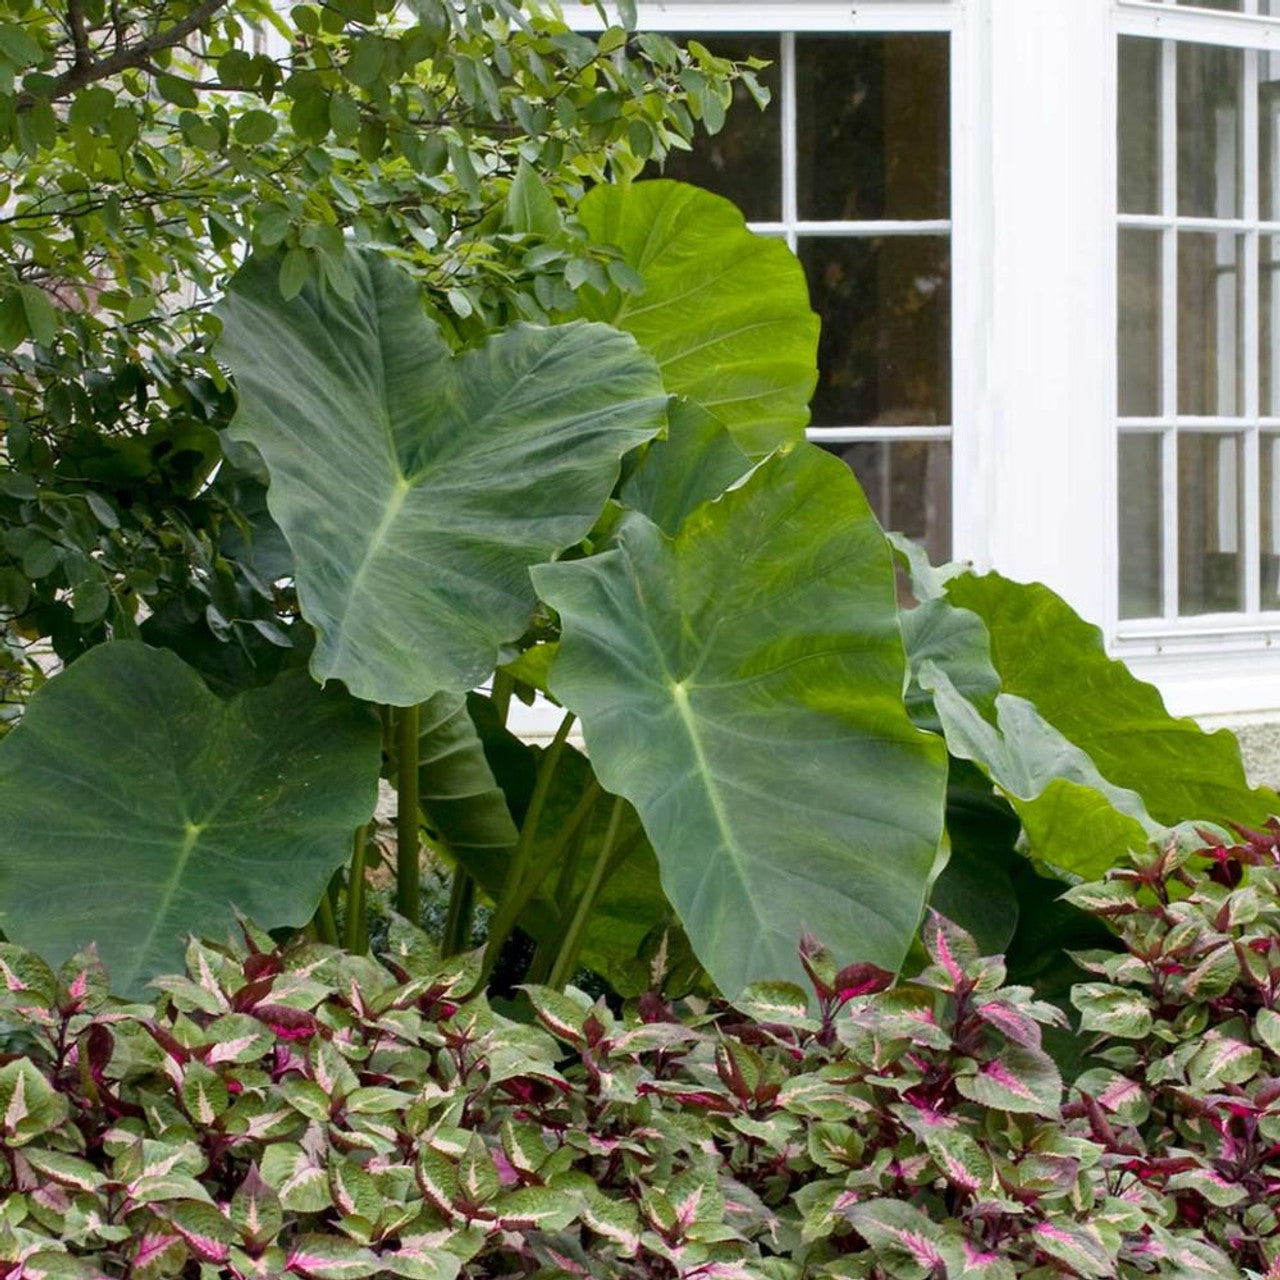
(743, 162)
(1210, 350)
(1209, 81)
(1230, 6)
(1269, 134)
(1141, 537)
(885, 353)
(1209, 516)
(908, 484)
(1139, 125)
(1269, 448)
(1139, 319)
(873, 126)
(1269, 325)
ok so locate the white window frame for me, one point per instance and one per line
(1213, 665)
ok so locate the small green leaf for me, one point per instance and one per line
(1115, 1011)
(42, 317)
(255, 127)
(14, 329)
(531, 208)
(177, 91)
(295, 271)
(256, 1211)
(329, 1257)
(1021, 1080)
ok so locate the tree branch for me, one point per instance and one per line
(89, 71)
(79, 34)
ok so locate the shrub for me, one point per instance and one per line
(308, 1112)
(1187, 1105)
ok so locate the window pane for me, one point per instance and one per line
(1209, 517)
(908, 484)
(1269, 448)
(1209, 81)
(1141, 539)
(1139, 318)
(1269, 134)
(743, 162)
(873, 126)
(1269, 325)
(885, 353)
(1210, 350)
(1139, 125)
(1230, 6)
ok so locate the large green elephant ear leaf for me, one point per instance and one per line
(136, 807)
(1085, 752)
(459, 795)
(1045, 653)
(725, 312)
(696, 462)
(741, 685)
(416, 488)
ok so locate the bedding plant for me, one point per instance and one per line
(307, 1112)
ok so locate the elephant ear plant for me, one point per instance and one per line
(620, 511)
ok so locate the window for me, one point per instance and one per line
(1198, 408)
(852, 165)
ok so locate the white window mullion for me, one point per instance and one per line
(887, 227)
(1169, 523)
(1169, 324)
(1251, 513)
(790, 141)
(853, 435)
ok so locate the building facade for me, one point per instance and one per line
(1044, 240)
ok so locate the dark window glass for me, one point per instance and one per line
(885, 354)
(1269, 135)
(1269, 325)
(1269, 455)
(1209, 524)
(1139, 331)
(873, 127)
(1138, 125)
(1210, 82)
(742, 162)
(1210, 324)
(1141, 537)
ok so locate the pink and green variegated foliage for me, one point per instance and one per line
(311, 1114)
(1187, 1102)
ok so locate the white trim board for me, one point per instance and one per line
(771, 15)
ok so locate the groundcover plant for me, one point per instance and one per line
(773, 745)
(312, 1113)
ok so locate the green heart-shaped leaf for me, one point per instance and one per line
(136, 807)
(1046, 653)
(741, 684)
(724, 311)
(1003, 668)
(415, 487)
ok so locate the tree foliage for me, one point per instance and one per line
(146, 147)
